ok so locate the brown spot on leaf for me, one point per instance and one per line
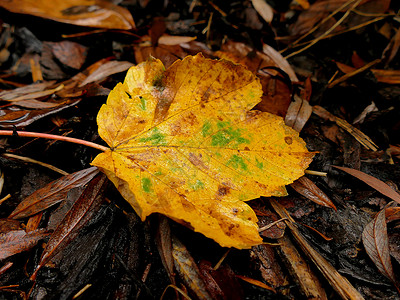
(246, 148)
(205, 97)
(197, 161)
(223, 190)
(288, 140)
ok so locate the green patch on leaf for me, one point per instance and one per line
(142, 103)
(156, 138)
(222, 124)
(158, 173)
(227, 135)
(237, 162)
(146, 185)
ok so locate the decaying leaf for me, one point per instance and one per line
(185, 144)
(21, 118)
(17, 241)
(377, 184)
(220, 283)
(376, 243)
(355, 132)
(256, 283)
(188, 270)
(92, 13)
(308, 189)
(52, 193)
(83, 209)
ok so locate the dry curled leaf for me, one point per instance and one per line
(185, 144)
(264, 9)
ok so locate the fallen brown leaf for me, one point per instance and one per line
(7, 225)
(355, 132)
(264, 10)
(17, 241)
(300, 269)
(107, 69)
(52, 193)
(220, 283)
(164, 246)
(373, 182)
(387, 76)
(9, 95)
(92, 13)
(69, 53)
(81, 212)
(308, 189)
(298, 113)
(10, 118)
(271, 271)
(188, 270)
(376, 243)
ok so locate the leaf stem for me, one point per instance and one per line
(54, 137)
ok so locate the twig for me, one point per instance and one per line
(345, 15)
(318, 25)
(34, 161)
(356, 27)
(355, 72)
(53, 137)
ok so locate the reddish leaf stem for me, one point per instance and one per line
(54, 137)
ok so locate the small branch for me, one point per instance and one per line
(54, 137)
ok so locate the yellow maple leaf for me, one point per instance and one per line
(185, 143)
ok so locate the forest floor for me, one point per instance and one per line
(329, 68)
